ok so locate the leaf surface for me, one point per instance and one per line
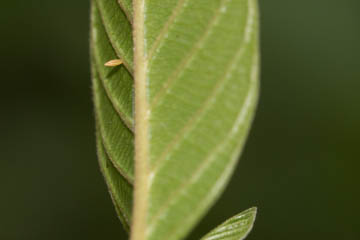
(235, 228)
(173, 118)
(113, 98)
(196, 87)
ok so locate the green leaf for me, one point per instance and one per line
(190, 78)
(119, 188)
(196, 89)
(235, 228)
(113, 96)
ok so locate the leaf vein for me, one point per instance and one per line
(188, 59)
(105, 147)
(126, 12)
(165, 28)
(120, 210)
(115, 164)
(206, 163)
(118, 52)
(127, 120)
(211, 99)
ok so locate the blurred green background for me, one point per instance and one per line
(300, 166)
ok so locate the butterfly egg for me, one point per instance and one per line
(113, 63)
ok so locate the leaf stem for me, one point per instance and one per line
(141, 126)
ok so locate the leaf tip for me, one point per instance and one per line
(252, 210)
(251, 213)
(239, 226)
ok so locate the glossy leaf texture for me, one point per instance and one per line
(235, 228)
(173, 118)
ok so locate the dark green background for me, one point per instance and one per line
(300, 166)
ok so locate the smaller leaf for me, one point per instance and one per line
(235, 228)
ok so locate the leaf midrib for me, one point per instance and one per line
(141, 126)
